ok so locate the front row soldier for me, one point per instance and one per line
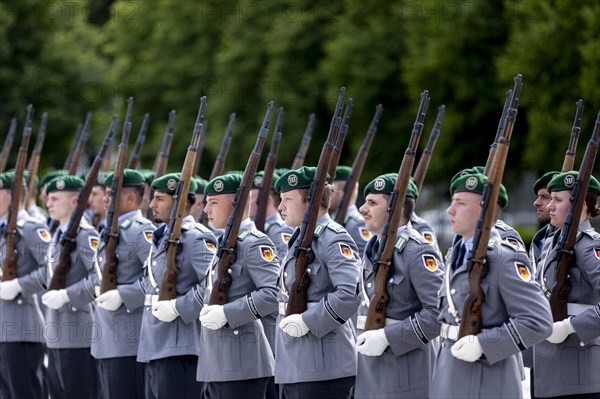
(567, 364)
(170, 333)
(21, 340)
(540, 189)
(416, 275)
(514, 315)
(314, 351)
(235, 357)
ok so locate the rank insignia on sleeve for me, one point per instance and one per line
(364, 233)
(93, 241)
(44, 235)
(286, 237)
(523, 271)
(148, 236)
(346, 251)
(428, 236)
(210, 246)
(516, 244)
(267, 253)
(597, 253)
(430, 263)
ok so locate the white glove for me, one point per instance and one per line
(213, 317)
(10, 289)
(110, 300)
(294, 326)
(560, 331)
(467, 348)
(55, 299)
(165, 310)
(372, 343)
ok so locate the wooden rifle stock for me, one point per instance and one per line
(423, 165)
(134, 160)
(8, 141)
(162, 158)
(219, 294)
(383, 258)
(569, 160)
(34, 161)
(339, 142)
(81, 142)
(305, 143)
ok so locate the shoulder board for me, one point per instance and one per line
(202, 227)
(401, 241)
(257, 233)
(142, 221)
(503, 226)
(187, 226)
(318, 230)
(492, 243)
(243, 235)
(418, 237)
(511, 246)
(21, 222)
(335, 227)
(593, 234)
(85, 226)
(125, 225)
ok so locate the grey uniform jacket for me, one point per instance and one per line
(514, 316)
(240, 350)
(509, 234)
(22, 319)
(413, 283)
(355, 226)
(425, 229)
(158, 339)
(121, 328)
(573, 366)
(327, 351)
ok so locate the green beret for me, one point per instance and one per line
(226, 184)
(234, 172)
(258, 179)
(384, 184)
(148, 175)
(296, 179)
(51, 175)
(280, 171)
(101, 178)
(131, 178)
(474, 183)
(7, 179)
(168, 184)
(201, 184)
(543, 181)
(475, 170)
(342, 173)
(566, 181)
(65, 183)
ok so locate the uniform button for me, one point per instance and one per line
(99, 259)
(581, 344)
(391, 280)
(154, 263)
(213, 272)
(308, 270)
(74, 309)
(453, 291)
(229, 271)
(357, 279)
(236, 332)
(128, 311)
(363, 303)
(285, 274)
(19, 301)
(369, 285)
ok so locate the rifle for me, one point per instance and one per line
(265, 189)
(570, 154)
(134, 160)
(9, 267)
(470, 323)
(298, 294)
(339, 142)
(199, 150)
(568, 234)
(8, 141)
(225, 253)
(67, 241)
(492, 153)
(301, 154)
(110, 235)
(108, 157)
(74, 164)
(162, 158)
(423, 165)
(357, 167)
(73, 145)
(383, 258)
(34, 161)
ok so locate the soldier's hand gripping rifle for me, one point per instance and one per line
(8, 141)
(298, 301)
(73, 164)
(67, 241)
(559, 294)
(264, 191)
(134, 159)
(569, 161)
(9, 267)
(357, 167)
(219, 294)
(110, 235)
(305, 143)
(423, 165)
(383, 258)
(162, 158)
(339, 142)
(168, 287)
(34, 161)
(470, 322)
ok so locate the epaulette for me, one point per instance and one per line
(503, 226)
(401, 241)
(21, 222)
(143, 221)
(418, 237)
(257, 233)
(85, 226)
(125, 225)
(242, 236)
(318, 230)
(493, 242)
(512, 246)
(593, 234)
(338, 228)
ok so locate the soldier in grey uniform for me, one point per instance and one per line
(118, 313)
(21, 338)
(393, 362)
(196, 210)
(514, 315)
(43, 182)
(314, 351)
(236, 359)
(96, 213)
(567, 364)
(540, 189)
(170, 334)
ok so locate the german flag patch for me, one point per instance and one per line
(286, 237)
(93, 242)
(44, 235)
(148, 236)
(523, 271)
(597, 253)
(364, 233)
(428, 236)
(267, 253)
(210, 246)
(346, 251)
(430, 263)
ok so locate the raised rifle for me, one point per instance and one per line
(219, 294)
(357, 167)
(9, 267)
(67, 241)
(305, 143)
(80, 147)
(569, 161)
(339, 142)
(134, 159)
(200, 150)
(470, 322)
(110, 234)
(492, 153)
(423, 165)
(34, 161)
(76, 138)
(262, 199)
(298, 294)
(162, 158)
(383, 258)
(8, 141)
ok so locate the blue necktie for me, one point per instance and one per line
(459, 256)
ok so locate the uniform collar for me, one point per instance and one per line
(135, 214)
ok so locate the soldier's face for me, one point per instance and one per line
(197, 207)
(96, 200)
(253, 204)
(60, 205)
(374, 210)
(161, 206)
(559, 207)
(541, 206)
(5, 200)
(464, 210)
(218, 208)
(336, 195)
(292, 207)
